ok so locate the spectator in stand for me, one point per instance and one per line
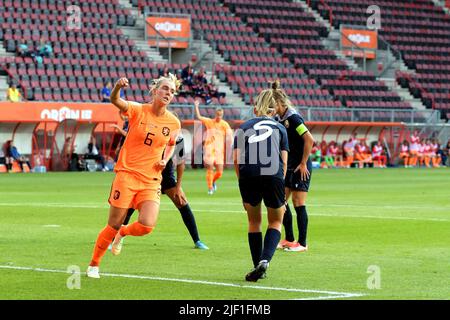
(23, 51)
(106, 92)
(13, 94)
(404, 153)
(44, 49)
(199, 86)
(164, 72)
(14, 155)
(93, 153)
(182, 90)
(188, 76)
(379, 155)
(214, 92)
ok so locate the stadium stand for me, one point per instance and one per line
(296, 35)
(83, 59)
(261, 40)
(419, 30)
(266, 40)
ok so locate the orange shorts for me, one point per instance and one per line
(212, 157)
(128, 192)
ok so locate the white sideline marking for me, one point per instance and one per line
(329, 294)
(171, 208)
(51, 226)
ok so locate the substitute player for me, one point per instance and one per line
(298, 175)
(149, 145)
(218, 132)
(260, 160)
(171, 186)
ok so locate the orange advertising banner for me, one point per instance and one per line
(177, 30)
(367, 39)
(58, 111)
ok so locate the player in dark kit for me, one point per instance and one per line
(298, 175)
(171, 186)
(260, 160)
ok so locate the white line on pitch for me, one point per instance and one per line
(331, 294)
(171, 208)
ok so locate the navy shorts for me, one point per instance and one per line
(168, 178)
(294, 182)
(270, 189)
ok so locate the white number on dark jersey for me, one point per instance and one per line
(262, 125)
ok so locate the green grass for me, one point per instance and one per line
(395, 219)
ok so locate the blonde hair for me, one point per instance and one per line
(156, 83)
(279, 95)
(265, 103)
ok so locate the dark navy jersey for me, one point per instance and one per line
(124, 128)
(259, 142)
(296, 128)
(178, 154)
(177, 157)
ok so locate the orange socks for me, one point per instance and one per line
(104, 238)
(209, 178)
(217, 176)
(135, 229)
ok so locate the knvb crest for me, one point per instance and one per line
(165, 131)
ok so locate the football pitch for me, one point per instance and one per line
(373, 234)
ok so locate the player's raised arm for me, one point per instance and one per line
(115, 95)
(197, 110)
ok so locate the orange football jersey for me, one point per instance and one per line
(147, 137)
